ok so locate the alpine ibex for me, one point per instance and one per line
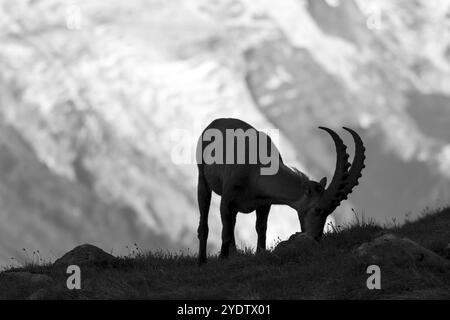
(243, 187)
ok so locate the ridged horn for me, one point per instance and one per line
(352, 177)
(358, 165)
(335, 190)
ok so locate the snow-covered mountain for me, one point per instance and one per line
(101, 104)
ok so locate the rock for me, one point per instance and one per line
(31, 278)
(390, 249)
(85, 254)
(41, 279)
(297, 244)
(447, 251)
(41, 294)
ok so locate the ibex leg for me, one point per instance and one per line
(227, 215)
(233, 248)
(261, 226)
(204, 201)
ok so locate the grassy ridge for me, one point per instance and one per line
(332, 272)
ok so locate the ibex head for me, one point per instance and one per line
(319, 202)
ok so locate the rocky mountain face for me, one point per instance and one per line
(101, 104)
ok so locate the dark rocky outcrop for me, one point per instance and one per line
(40, 294)
(85, 254)
(297, 244)
(32, 278)
(390, 249)
(35, 283)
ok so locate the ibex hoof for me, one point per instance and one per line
(201, 261)
(261, 251)
(223, 256)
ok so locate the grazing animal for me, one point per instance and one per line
(243, 187)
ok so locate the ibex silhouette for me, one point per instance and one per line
(244, 189)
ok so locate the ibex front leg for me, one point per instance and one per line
(228, 217)
(233, 249)
(204, 201)
(261, 227)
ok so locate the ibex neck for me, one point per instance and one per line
(285, 187)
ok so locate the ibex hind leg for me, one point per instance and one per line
(233, 249)
(204, 201)
(261, 227)
(228, 217)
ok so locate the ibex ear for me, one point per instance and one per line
(323, 182)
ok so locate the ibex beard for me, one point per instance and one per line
(239, 173)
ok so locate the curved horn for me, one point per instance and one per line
(336, 188)
(357, 163)
(354, 173)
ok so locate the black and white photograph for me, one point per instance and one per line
(228, 156)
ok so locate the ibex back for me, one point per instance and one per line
(235, 171)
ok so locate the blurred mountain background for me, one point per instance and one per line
(101, 103)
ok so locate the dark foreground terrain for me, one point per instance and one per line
(335, 269)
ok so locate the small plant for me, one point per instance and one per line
(135, 251)
(32, 260)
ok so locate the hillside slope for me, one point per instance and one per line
(331, 271)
